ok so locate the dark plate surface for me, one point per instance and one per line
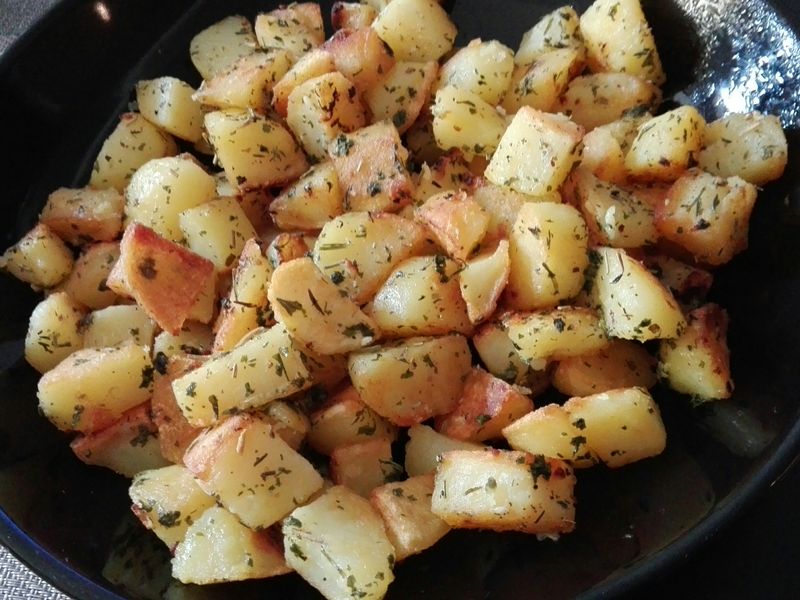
(61, 88)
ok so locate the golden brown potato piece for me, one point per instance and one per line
(40, 258)
(556, 30)
(363, 466)
(483, 68)
(296, 28)
(361, 56)
(215, 49)
(168, 103)
(84, 215)
(541, 84)
(87, 281)
(556, 333)
(352, 15)
(483, 280)
(311, 201)
(457, 222)
(313, 64)
(54, 331)
(402, 93)
(416, 29)
(686, 282)
(550, 431)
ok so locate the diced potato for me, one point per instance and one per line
(92, 388)
(296, 28)
(217, 231)
(288, 246)
(287, 421)
(406, 511)
(352, 15)
(548, 254)
(536, 152)
(204, 308)
(416, 29)
(504, 491)
(40, 258)
(502, 204)
(234, 133)
(265, 366)
(54, 331)
(603, 157)
(541, 84)
(128, 446)
(457, 222)
(115, 325)
(751, 146)
(215, 49)
(620, 364)
(634, 304)
(698, 361)
(555, 30)
(549, 431)
(84, 215)
(601, 98)
(161, 189)
(87, 281)
(557, 333)
(322, 108)
(133, 142)
(164, 278)
(361, 56)
(218, 548)
(483, 68)
(167, 501)
(310, 306)
(422, 296)
(313, 64)
(707, 215)
(427, 377)
(461, 119)
(247, 84)
(684, 281)
(483, 280)
(345, 420)
(487, 405)
(449, 172)
(168, 103)
(620, 426)
(666, 145)
(340, 524)
(311, 201)
(618, 38)
(371, 164)
(193, 338)
(363, 466)
(500, 358)
(251, 471)
(401, 95)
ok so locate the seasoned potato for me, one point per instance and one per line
(707, 215)
(427, 376)
(193, 338)
(698, 362)
(218, 548)
(504, 491)
(371, 165)
(91, 388)
(361, 56)
(618, 38)
(499, 356)
(462, 120)
(127, 446)
(217, 231)
(204, 308)
(311, 308)
(296, 28)
(251, 471)
(684, 281)
(547, 247)
(487, 405)
(162, 188)
(40, 258)
(483, 280)
(215, 49)
(666, 145)
(536, 152)
(287, 421)
(84, 215)
(457, 222)
(634, 304)
(483, 68)
(620, 364)
(311, 201)
(557, 333)
(556, 30)
(133, 142)
(352, 15)
(288, 246)
(541, 84)
(115, 325)
(449, 172)
(620, 426)
(232, 131)
(168, 103)
(87, 281)
(402, 93)
(417, 30)
(54, 331)
(313, 64)
(406, 511)
(422, 296)
(167, 501)
(425, 447)
(502, 205)
(359, 250)
(549, 431)
(603, 157)
(255, 204)
(363, 466)
(340, 524)
(751, 146)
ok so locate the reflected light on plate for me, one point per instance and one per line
(102, 11)
(734, 100)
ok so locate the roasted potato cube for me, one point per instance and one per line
(504, 491)
(296, 28)
(620, 426)
(310, 65)
(251, 471)
(133, 142)
(450, 172)
(556, 30)
(40, 258)
(402, 93)
(54, 331)
(425, 447)
(462, 120)
(684, 281)
(549, 431)
(168, 103)
(483, 280)
(84, 215)
(115, 325)
(352, 15)
(417, 30)
(541, 84)
(406, 511)
(500, 358)
(287, 421)
(698, 361)
(603, 157)
(215, 49)
(87, 281)
(340, 524)
(427, 376)
(311, 201)
(204, 308)
(556, 333)
(193, 338)
(361, 56)
(483, 68)
(364, 466)
(288, 246)
(502, 204)
(457, 222)
(217, 231)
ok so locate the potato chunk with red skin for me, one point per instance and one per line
(487, 405)
(164, 278)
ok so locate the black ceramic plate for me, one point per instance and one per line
(63, 85)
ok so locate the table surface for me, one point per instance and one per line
(755, 557)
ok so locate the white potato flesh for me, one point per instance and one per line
(365, 465)
(215, 49)
(463, 120)
(500, 358)
(310, 65)
(54, 331)
(417, 30)
(84, 215)
(168, 103)
(311, 201)
(549, 431)
(483, 68)
(483, 280)
(541, 84)
(457, 222)
(425, 446)
(401, 95)
(40, 258)
(87, 281)
(193, 338)
(557, 333)
(115, 325)
(217, 230)
(555, 30)
(296, 28)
